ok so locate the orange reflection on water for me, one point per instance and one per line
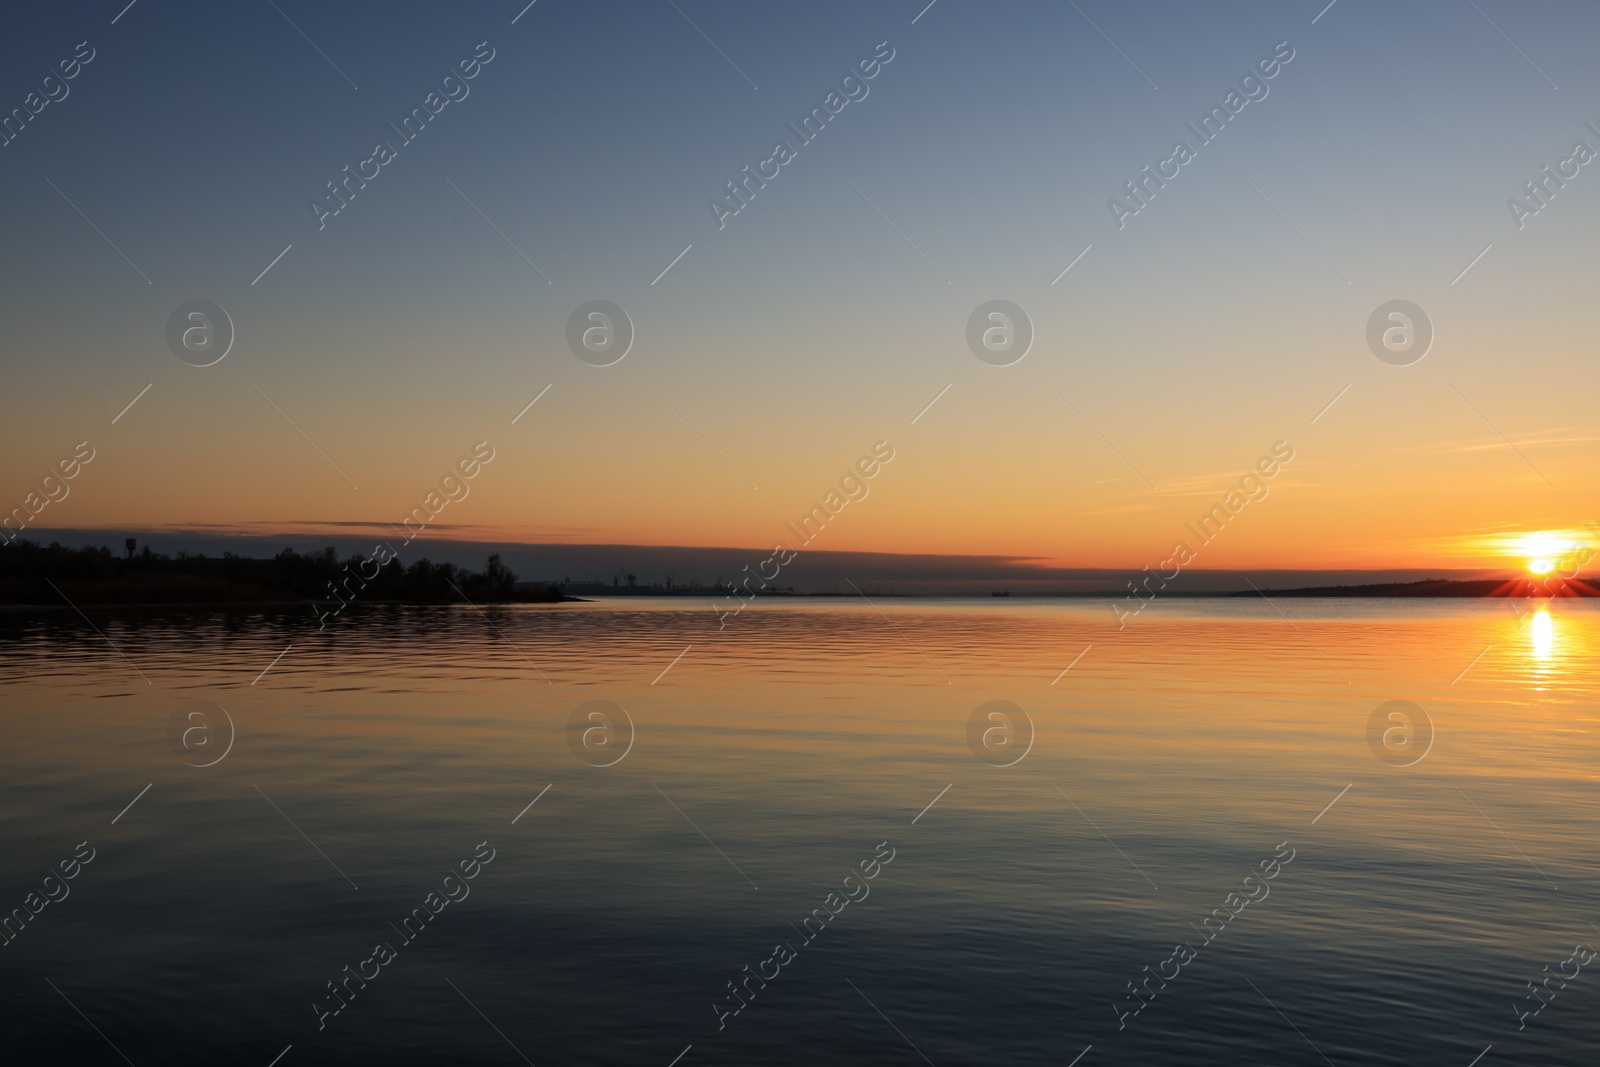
(1559, 640)
(1543, 635)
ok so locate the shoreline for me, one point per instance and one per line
(1510, 589)
(285, 604)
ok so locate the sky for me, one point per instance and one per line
(772, 353)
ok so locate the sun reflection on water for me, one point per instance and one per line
(1543, 636)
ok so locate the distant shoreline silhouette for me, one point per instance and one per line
(54, 575)
(35, 575)
(1486, 588)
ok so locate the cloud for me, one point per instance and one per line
(1552, 438)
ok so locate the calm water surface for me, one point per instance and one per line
(754, 772)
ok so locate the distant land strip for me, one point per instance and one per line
(1492, 587)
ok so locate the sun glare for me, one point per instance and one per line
(1543, 551)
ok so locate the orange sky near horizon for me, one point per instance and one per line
(975, 476)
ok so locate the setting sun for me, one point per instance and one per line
(1543, 550)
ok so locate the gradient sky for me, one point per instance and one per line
(809, 328)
